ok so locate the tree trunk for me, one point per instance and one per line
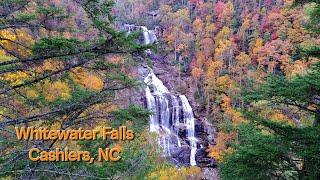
(208, 104)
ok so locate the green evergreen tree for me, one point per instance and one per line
(271, 150)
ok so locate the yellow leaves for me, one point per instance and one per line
(50, 65)
(224, 33)
(210, 29)
(243, 59)
(223, 43)
(182, 15)
(272, 113)
(55, 90)
(7, 34)
(87, 80)
(234, 115)
(214, 68)
(15, 78)
(223, 83)
(173, 173)
(32, 94)
(4, 58)
(258, 44)
(16, 40)
(278, 116)
(222, 47)
(298, 67)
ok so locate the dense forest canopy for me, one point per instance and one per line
(251, 67)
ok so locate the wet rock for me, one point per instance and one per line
(203, 160)
(181, 155)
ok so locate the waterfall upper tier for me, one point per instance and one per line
(149, 36)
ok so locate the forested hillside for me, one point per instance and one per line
(249, 68)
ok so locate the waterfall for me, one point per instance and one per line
(189, 121)
(166, 118)
(172, 117)
(149, 36)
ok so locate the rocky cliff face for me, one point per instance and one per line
(179, 151)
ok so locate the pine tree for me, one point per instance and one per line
(267, 149)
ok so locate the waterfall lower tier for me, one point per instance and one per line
(172, 114)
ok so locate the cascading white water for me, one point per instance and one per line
(189, 121)
(149, 35)
(166, 116)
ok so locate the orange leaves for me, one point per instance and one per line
(93, 82)
(197, 72)
(234, 115)
(197, 26)
(226, 102)
(49, 65)
(200, 59)
(258, 44)
(207, 45)
(87, 80)
(214, 68)
(221, 148)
